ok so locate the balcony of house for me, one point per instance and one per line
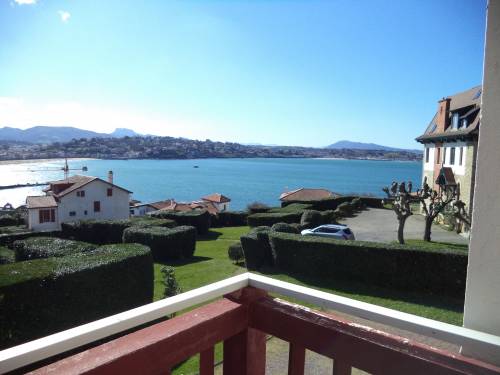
(241, 312)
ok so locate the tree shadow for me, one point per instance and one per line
(183, 262)
(212, 235)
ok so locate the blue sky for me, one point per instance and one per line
(273, 72)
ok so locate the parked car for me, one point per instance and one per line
(337, 231)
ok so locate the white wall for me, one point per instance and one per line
(34, 221)
(141, 210)
(457, 169)
(430, 165)
(482, 296)
(114, 207)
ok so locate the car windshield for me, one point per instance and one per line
(347, 231)
(326, 230)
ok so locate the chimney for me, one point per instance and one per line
(110, 177)
(442, 119)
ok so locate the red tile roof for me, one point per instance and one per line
(61, 188)
(216, 198)
(305, 194)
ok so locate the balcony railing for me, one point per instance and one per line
(241, 320)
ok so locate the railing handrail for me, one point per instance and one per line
(33, 351)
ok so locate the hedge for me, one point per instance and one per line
(257, 249)
(235, 252)
(165, 243)
(395, 266)
(285, 228)
(6, 255)
(332, 203)
(44, 296)
(230, 219)
(148, 221)
(268, 219)
(10, 220)
(292, 208)
(8, 239)
(311, 219)
(45, 247)
(200, 219)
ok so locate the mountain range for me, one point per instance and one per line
(349, 145)
(51, 134)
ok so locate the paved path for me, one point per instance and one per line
(381, 225)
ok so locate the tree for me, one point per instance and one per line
(434, 202)
(400, 197)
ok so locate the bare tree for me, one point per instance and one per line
(400, 197)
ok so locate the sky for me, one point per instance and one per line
(306, 73)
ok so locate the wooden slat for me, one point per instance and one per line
(362, 347)
(207, 362)
(296, 359)
(341, 368)
(245, 353)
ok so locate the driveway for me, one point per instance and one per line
(381, 225)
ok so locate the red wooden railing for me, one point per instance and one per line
(241, 320)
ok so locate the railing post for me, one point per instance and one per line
(341, 368)
(245, 353)
(296, 359)
(207, 362)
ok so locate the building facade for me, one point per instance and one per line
(450, 143)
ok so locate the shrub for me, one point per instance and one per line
(235, 252)
(328, 217)
(200, 219)
(165, 243)
(257, 208)
(268, 219)
(8, 239)
(333, 203)
(96, 231)
(257, 249)
(292, 208)
(230, 219)
(148, 221)
(357, 204)
(45, 247)
(6, 255)
(311, 219)
(285, 228)
(172, 288)
(389, 265)
(10, 220)
(344, 209)
(44, 296)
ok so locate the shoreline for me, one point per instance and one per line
(22, 161)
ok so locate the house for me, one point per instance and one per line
(77, 198)
(195, 205)
(220, 201)
(450, 144)
(137, 208)
(305, 194)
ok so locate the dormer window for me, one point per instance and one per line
(454, 121)
(463, 123)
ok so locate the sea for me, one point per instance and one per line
(244, 181)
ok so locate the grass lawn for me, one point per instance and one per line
(425, 245)
(211, 264)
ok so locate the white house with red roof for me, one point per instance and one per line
(77, 198)
(221, 202)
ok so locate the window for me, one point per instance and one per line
(110, 192)
(97, 206)
(444, 155)
(461, 157)
(464, 123)
(80, 193)
(438, 158)
(454, 121)
(72, 213)
(426, 154)
(452, 156)
(85, 212)
(47, 216)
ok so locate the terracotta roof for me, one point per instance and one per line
(305, 194)
(216, 198)
(468, 104)
(190, 206)
(76, 182)
(162, 204)
(47, 201)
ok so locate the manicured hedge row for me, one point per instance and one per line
(10, 220)
(7, 255)
(286, 228)
(229, 219)
(45, 247)
(292, 208)
(257, 249)
(8, 239)
(394, 266)
(165, 243)
(333, 203)
(200, 219)
(44, 296)
(268, 219)
(108, 231)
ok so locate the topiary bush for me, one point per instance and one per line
(44, 296)
(96, 231)
(230, 219)
(7, 255)
(285, 228)
(333, 203)
(268, 219)
(200, 219)
(165, 243)
(257, 208)
(298, 208)
(45, 247)
(257, 249)
(235, 252)
(328, 217)
(311, 219)
(148, 221)
(344, 209)
(172, 288)
(10, 238)
(357, 204)
(389, 265)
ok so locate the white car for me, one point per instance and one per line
(337, 231)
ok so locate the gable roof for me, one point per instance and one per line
(77, 182)
(161, 204)
(468, 105)
(306, 194)
(47, 201)
(216, 198)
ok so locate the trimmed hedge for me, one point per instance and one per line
(165, 243)
(10, 220)
(6, 255)
(333, 203)
(230, 219)
(8, 239)
(257, 249)
(389, 265)
(200, 219)
(285, 228)
(268, 219)
(292, 208)
(148, 221)
(235, 252)
(311, 219)
(45, 247)
(328, 217)
(44, 296)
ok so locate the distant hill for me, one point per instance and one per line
(50, 134)
(364, 146)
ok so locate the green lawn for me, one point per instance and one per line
(211, 264)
